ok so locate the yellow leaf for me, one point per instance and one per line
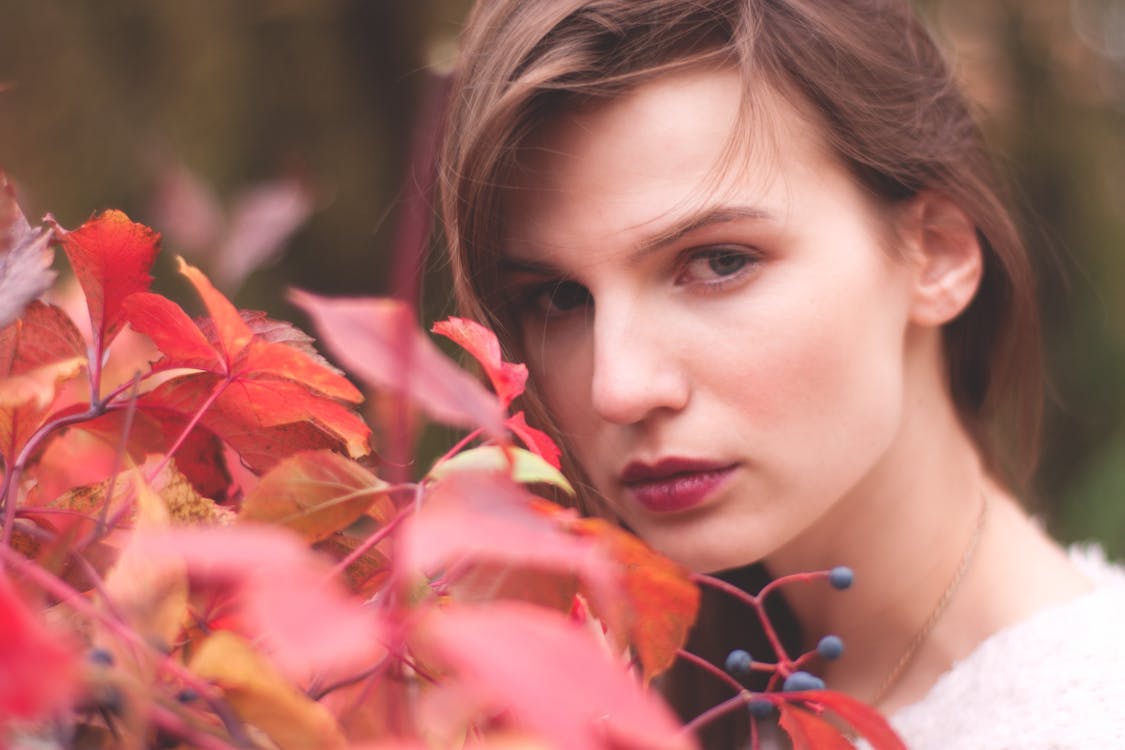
(154, 597)
(521, 465)
(262, 697)
(315, 493)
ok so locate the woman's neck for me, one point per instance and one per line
(913, 534)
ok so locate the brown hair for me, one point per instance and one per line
(872, 75)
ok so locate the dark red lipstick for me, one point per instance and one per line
(674, 484)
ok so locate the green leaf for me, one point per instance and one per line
(521, 465)
(316, 494)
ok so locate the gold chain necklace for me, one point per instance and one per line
(939, 609)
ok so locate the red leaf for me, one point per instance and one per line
(508, 379)
(864, 719)
(283, 591)
(537, 441)
(38, 672)
(175, 334)
(268, 373)
(545, 674)
(810, 732)
(25, 257)
(111, 256)
(43, 338)
(378, 341)
(245, 412)
(231, 332)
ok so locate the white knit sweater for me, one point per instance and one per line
(1055, 681)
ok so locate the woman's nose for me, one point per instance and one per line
(637, 367)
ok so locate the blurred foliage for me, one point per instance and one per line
(99, 99)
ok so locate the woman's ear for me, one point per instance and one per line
(944, 252)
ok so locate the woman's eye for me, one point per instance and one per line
(715, 264)
(558, 298)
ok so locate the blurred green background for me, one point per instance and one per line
(289, 125)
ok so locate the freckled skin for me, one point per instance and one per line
(795, 368)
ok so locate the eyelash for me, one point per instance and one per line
(749, 257)
(539, 296)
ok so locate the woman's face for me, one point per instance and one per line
(723, 348)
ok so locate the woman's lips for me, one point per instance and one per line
(674, 484)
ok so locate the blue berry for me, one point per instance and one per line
(841, 577)
(802, 681)
(738, 662)
(101, 657)
(830, 647)
(760, 708)
(187, 695)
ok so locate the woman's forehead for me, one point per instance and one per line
(672, 147)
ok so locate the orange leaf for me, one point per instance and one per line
(111, 256)
(232, 332)
(663, 600)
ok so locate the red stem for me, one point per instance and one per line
(718, 711)
(460, 445)
(784, 662)
(707, 666)
(218, 391)
(341, 567)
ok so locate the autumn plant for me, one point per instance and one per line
(199, 549)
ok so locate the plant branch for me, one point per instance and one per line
(379, 535)
(710, 668)
(756, 603)
(68, 595)
(718, 711)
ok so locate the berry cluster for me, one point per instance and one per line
(787, 674)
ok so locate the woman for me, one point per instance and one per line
(755, 258)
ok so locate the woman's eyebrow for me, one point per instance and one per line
(696, 221)
(509, 265)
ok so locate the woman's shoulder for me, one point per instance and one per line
(1053, 680)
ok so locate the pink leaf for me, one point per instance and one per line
(508, 379)
(547, 675)
(303, 619)
(504, 529)
(261, 220)
(378, 341)
(25, 258)
(187, 210)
